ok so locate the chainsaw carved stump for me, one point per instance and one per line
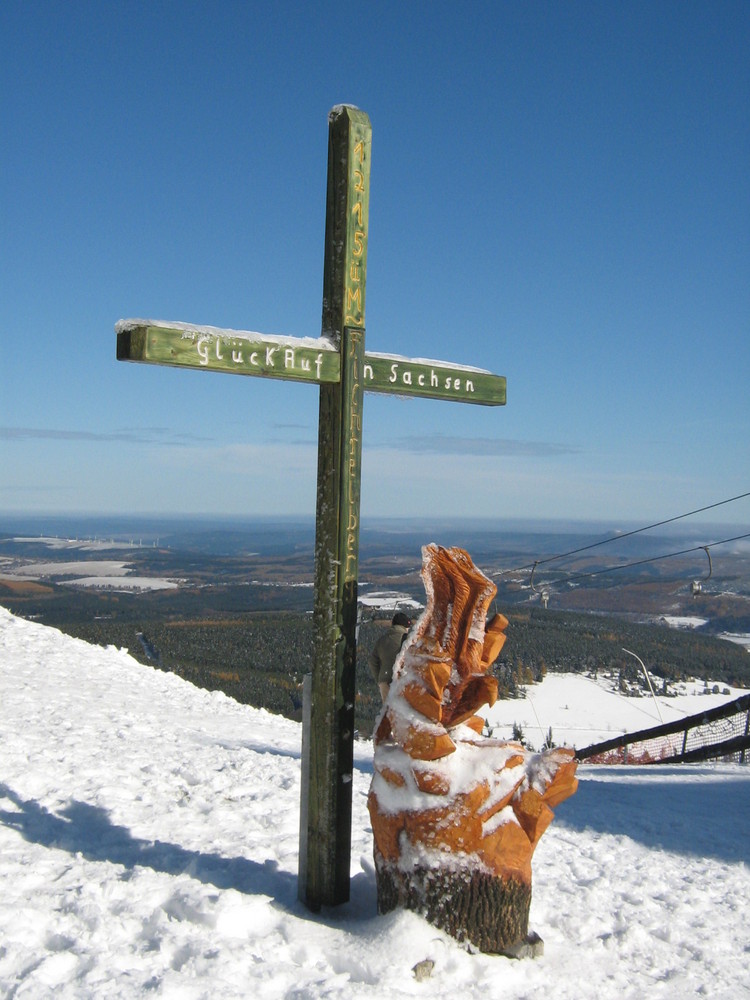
(456, 816)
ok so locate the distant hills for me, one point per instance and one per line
(228, 605)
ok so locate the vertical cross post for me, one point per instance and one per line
(326, 804)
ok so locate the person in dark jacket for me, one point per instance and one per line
(386, 650)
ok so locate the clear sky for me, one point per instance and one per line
(559, 193)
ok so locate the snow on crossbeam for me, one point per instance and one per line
(301, 359)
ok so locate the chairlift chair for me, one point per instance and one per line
(697, 585)
(543, 594)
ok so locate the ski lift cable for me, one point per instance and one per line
(619, 537)
(643, 562)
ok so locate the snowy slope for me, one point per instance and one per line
(148, 846)
(581, 711)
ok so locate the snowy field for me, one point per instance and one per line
(148, 847)
(581, 711)
(107, 574)
(101, 574)
(389, 601)
(82, 544)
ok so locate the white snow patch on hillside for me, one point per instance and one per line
(124, 583)
(389, 600)
(738, 637)
(39, 570)
(683, 621)
(84, 544)
(102, 573)
(582, 710)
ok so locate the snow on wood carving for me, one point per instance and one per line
(455, 815)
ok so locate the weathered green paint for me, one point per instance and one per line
(433, 380)
(293, 358)
(267, 357)
(325, 854)
(347, 228)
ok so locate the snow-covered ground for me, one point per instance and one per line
(102, 574)
(148, 846)
(125, 583)
(111, 574)
(82, 544)
(37, 569)
(581, 711)
(388, 601)
(689, 621)
(740, 638)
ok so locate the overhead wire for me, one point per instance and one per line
(626, 534)
(643, 562)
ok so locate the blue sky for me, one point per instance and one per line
(559, 193)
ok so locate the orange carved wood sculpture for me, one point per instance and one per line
(455, 815)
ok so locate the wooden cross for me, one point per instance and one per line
(337, 362)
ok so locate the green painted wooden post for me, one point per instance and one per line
(325, 822)
(338, 363)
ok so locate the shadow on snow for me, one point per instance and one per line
(88, 830)
(700, 817)
(80, 828)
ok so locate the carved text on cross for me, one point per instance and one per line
(299, 359)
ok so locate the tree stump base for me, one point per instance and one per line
(476, 908)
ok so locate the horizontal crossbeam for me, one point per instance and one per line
(231, 351)
(302, 360)
(432, 380)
